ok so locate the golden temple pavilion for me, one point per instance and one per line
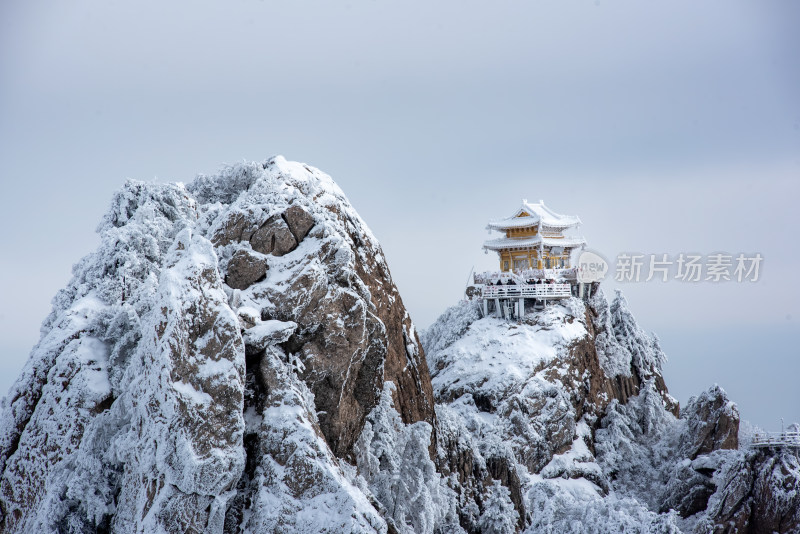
(534, 238)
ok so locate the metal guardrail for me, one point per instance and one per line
(538, 291)
(776, 439)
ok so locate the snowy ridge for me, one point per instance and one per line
(236, 358)
(568, 411)
(494, 355)
(161, 399)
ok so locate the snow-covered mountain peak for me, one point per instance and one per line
(234, 357)
(568, 409)
(150, 402)
(493, 356)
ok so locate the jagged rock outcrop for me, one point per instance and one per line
(523, 399)
(210, 366)
(709, 426)
(245, 268)
(713, 423)
(236, 358)
(328, 275)
(292, 482)
(759, 493)
(570, 411)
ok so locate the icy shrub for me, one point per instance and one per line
(614, 359)
(645, 351)
(635, 442)
(560, 509)
(393, 459)
(499, 515)
(449, 327)
(226, 186)
(135, 235)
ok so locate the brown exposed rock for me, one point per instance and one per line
(354, 333)
(237, 226)
(248, 317)
(299, 220)
(761, 497)
(245, 269)
(713, 423)
(287, 464)
(500, 468)
(278, 235)
(273, 237)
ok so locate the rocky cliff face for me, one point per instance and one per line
(525, 399)
(236, 358)
(211, 364)
(759, 492)
(570, 412)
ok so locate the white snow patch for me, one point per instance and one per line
(188, 392)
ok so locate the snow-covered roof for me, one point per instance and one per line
(513, 222)
(512, 242)
(537, 213)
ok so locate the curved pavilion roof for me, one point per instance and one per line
(538, 214)
(504, 243)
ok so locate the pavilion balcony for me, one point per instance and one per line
(522, 277)
(535, 291)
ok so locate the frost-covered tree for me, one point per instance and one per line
(647, 356)
(634, 441)
(393, 459)
(499, 515)
(557, 509)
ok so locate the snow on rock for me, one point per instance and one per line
(568, 411)
(393, 460)
(270, 332)
(494, 358)
(48, 410)
(181, 450)
(530, 383)
(713, 421)
(235, 358)
(511, 396)
(326, 273)
(293, 483)
(759, 491)
(208, 368)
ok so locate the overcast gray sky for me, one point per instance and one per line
(668, 127)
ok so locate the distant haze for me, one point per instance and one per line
(668, 127)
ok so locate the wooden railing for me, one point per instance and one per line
(776, 439)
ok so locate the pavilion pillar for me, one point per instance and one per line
(522, 307)
(485, 307)
(497, 309)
